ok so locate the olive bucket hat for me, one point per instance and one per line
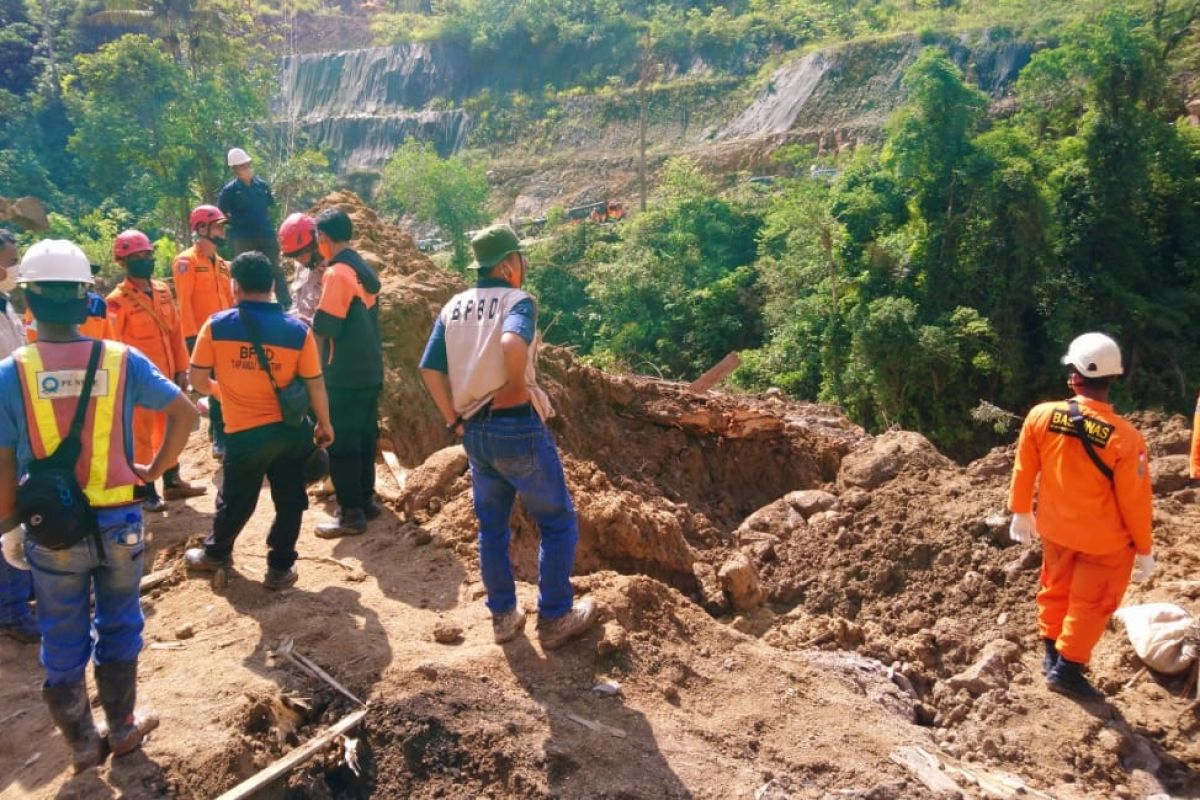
(492, 245)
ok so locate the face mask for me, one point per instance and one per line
(140, 267)
(10, 281)
(69, 312)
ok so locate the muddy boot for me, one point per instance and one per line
(1050, 658)
(1067, 678)
(72, 713)
(176, 488)
(555, 633)
(117, 682)
(349, 522)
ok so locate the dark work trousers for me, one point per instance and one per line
(355, 417)
(277, 452)
(216, 422)
(269, 247)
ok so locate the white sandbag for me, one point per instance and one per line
(1158, 633)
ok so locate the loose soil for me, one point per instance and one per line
(790, 608)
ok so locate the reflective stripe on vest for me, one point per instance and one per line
(108, 463)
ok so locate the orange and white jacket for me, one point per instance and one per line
(1078, 506)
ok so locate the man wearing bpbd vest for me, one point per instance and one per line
(41, 386)
(479, 368)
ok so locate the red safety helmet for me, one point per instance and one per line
(297, 233)
(205, 215)
(130, 242)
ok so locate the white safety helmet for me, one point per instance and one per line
(1094, 355)
(237, 156)
(55, 260)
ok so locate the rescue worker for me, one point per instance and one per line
(1093, 511)
(347, 329)
(16, 587)
(298, 241)
(479, 366)
(202, 288)
(39, 385)
(246, 202)
(259, 444)
(143, 315)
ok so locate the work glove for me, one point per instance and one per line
(13, 544)
(1143, 568)
(1023, 528)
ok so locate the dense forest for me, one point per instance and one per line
(944, 264)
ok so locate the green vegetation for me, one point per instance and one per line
(950, 265)
(449, 192)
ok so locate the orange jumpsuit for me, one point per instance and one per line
(1194, 472)
(1090, 527)
(149, 322)
(202, 286)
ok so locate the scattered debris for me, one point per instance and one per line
(607, 688)
(286, 649)
(447, 633)
(598, 727)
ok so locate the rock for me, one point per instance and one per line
(881, 458)
(810, 501)
(740, 581)
(447, 633)
(989, 672)
(708, 587)
(185, 632)
(997, 527)
(613, 639)
(433, 478)
(1169, 474)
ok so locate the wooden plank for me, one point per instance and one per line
(393, 465)
(926, 768)
(720, 372)
(299, 756)
(155, 579)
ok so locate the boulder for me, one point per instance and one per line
(990, 670)
(876, 461)
(810, 501)
(1170, 474)
(739, 579)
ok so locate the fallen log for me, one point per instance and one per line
(155, 579)
(300, 755)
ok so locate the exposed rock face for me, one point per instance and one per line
(362, 104)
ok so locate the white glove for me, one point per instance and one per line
(13, 544)
(1023, 528)
(1143, 568)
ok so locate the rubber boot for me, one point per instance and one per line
(72, 714)
(1067, 678)
(117, 682)
(1050, 659)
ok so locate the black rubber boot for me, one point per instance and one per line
(72, 713)
(117, 683)
(1050, 659)
(1067, 678)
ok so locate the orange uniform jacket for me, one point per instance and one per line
(1195, 460)
(202, 286)
(150, 323)
(1078, 507)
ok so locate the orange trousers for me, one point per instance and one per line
(149, 430)
(1080, 591)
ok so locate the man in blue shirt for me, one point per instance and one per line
(479, 366)
(41, 386)
(246, 201)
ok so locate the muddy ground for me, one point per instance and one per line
(791, 608)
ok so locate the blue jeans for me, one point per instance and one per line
(16, 590)
(513, 456)
(61, 582)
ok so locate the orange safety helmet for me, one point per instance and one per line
(297, 233)
(130, 242)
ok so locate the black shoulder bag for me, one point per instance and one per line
(53, 506)
(1077, 420)
(293, 398)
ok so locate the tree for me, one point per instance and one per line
(449, 192)
(18, 42)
